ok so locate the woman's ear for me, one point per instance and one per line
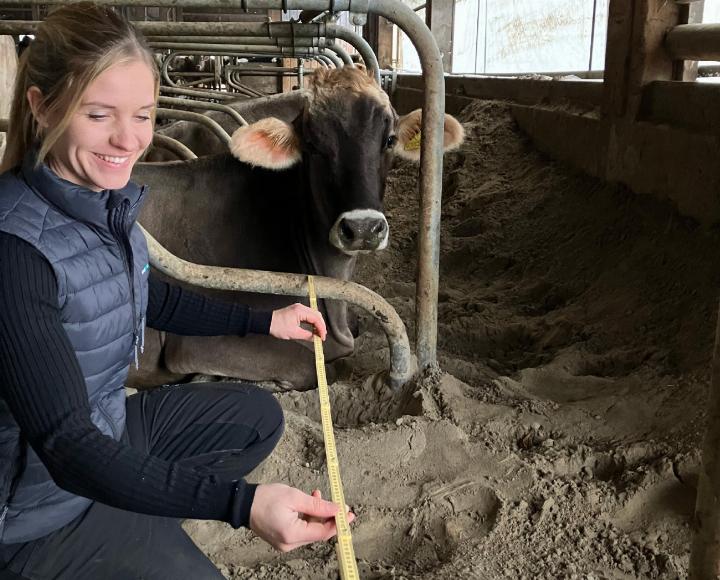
(35, 99)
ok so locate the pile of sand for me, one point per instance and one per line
(576, 323)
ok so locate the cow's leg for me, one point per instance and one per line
(253, 358)
(152, 371)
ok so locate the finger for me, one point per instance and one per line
(312, 531)
(314, 506)
(315, 318)
(302, 334)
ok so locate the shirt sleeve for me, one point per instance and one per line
(43, 385)
(181, 311)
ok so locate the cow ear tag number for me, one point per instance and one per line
(344, 547)
(414, 143)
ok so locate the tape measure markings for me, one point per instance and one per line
(344, 548)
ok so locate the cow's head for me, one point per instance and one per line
(346, 138)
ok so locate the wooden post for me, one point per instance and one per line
(439, 18)
(705, 556)
(379, 34)
(635, 54)
(687, 70)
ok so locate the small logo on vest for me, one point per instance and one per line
(146, 269)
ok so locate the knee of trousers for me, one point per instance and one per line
(273, 418)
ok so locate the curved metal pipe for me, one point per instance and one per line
(190, 104)
(180, 149)
(263, 282)
(232, 79)
(213, 125)
(333, 58)
(342, 53)
(324, 60)
(300, 41)
(359, 44)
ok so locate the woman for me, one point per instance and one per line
(92, 483)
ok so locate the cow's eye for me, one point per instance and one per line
(390, 142)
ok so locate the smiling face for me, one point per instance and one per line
(110, 130)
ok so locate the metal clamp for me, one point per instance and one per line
(358, 11)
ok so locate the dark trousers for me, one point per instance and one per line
(230, 428)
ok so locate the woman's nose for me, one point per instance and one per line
(124, 137)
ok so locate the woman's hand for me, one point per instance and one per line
(286, 322)
(286, 518)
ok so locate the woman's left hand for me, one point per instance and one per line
(286, 322)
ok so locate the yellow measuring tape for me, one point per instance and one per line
(345, 550)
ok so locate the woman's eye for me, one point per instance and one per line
(97, 116)
(142, 118)
(390, 142)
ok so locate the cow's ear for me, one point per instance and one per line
(408, 134)
(269, 143)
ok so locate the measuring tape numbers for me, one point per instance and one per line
(344, 547)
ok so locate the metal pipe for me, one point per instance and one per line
(173, 145)
(213, 125)
(342, 53)
(299, 41)
(256, 42)
(325, 60)
(190, 104)
(202, 81)
(255, 50)
(199, 93)
(334, 59)
(233, 81)
(431, 166)
(694, 42)
(338, 5)
(242, 280)
(359, 44)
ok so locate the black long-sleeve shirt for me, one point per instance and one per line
(41, 381)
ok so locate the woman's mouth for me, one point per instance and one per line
(113, 160)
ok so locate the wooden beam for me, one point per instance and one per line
(687, 70)
(439, 18)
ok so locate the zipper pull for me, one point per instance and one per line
(135, 349)
(142, 335)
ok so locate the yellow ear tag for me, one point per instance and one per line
(414, 143)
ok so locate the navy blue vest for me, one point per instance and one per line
(100, 261)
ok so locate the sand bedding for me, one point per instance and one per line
(575, 331)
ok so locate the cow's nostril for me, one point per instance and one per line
(346, 231)
(378, 228)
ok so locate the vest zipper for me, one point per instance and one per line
(121, 236)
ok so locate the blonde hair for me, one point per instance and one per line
(73, 46)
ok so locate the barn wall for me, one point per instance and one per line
(8, 70)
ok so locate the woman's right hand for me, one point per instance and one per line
(286, 518)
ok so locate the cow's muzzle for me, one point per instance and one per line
(360, 231)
